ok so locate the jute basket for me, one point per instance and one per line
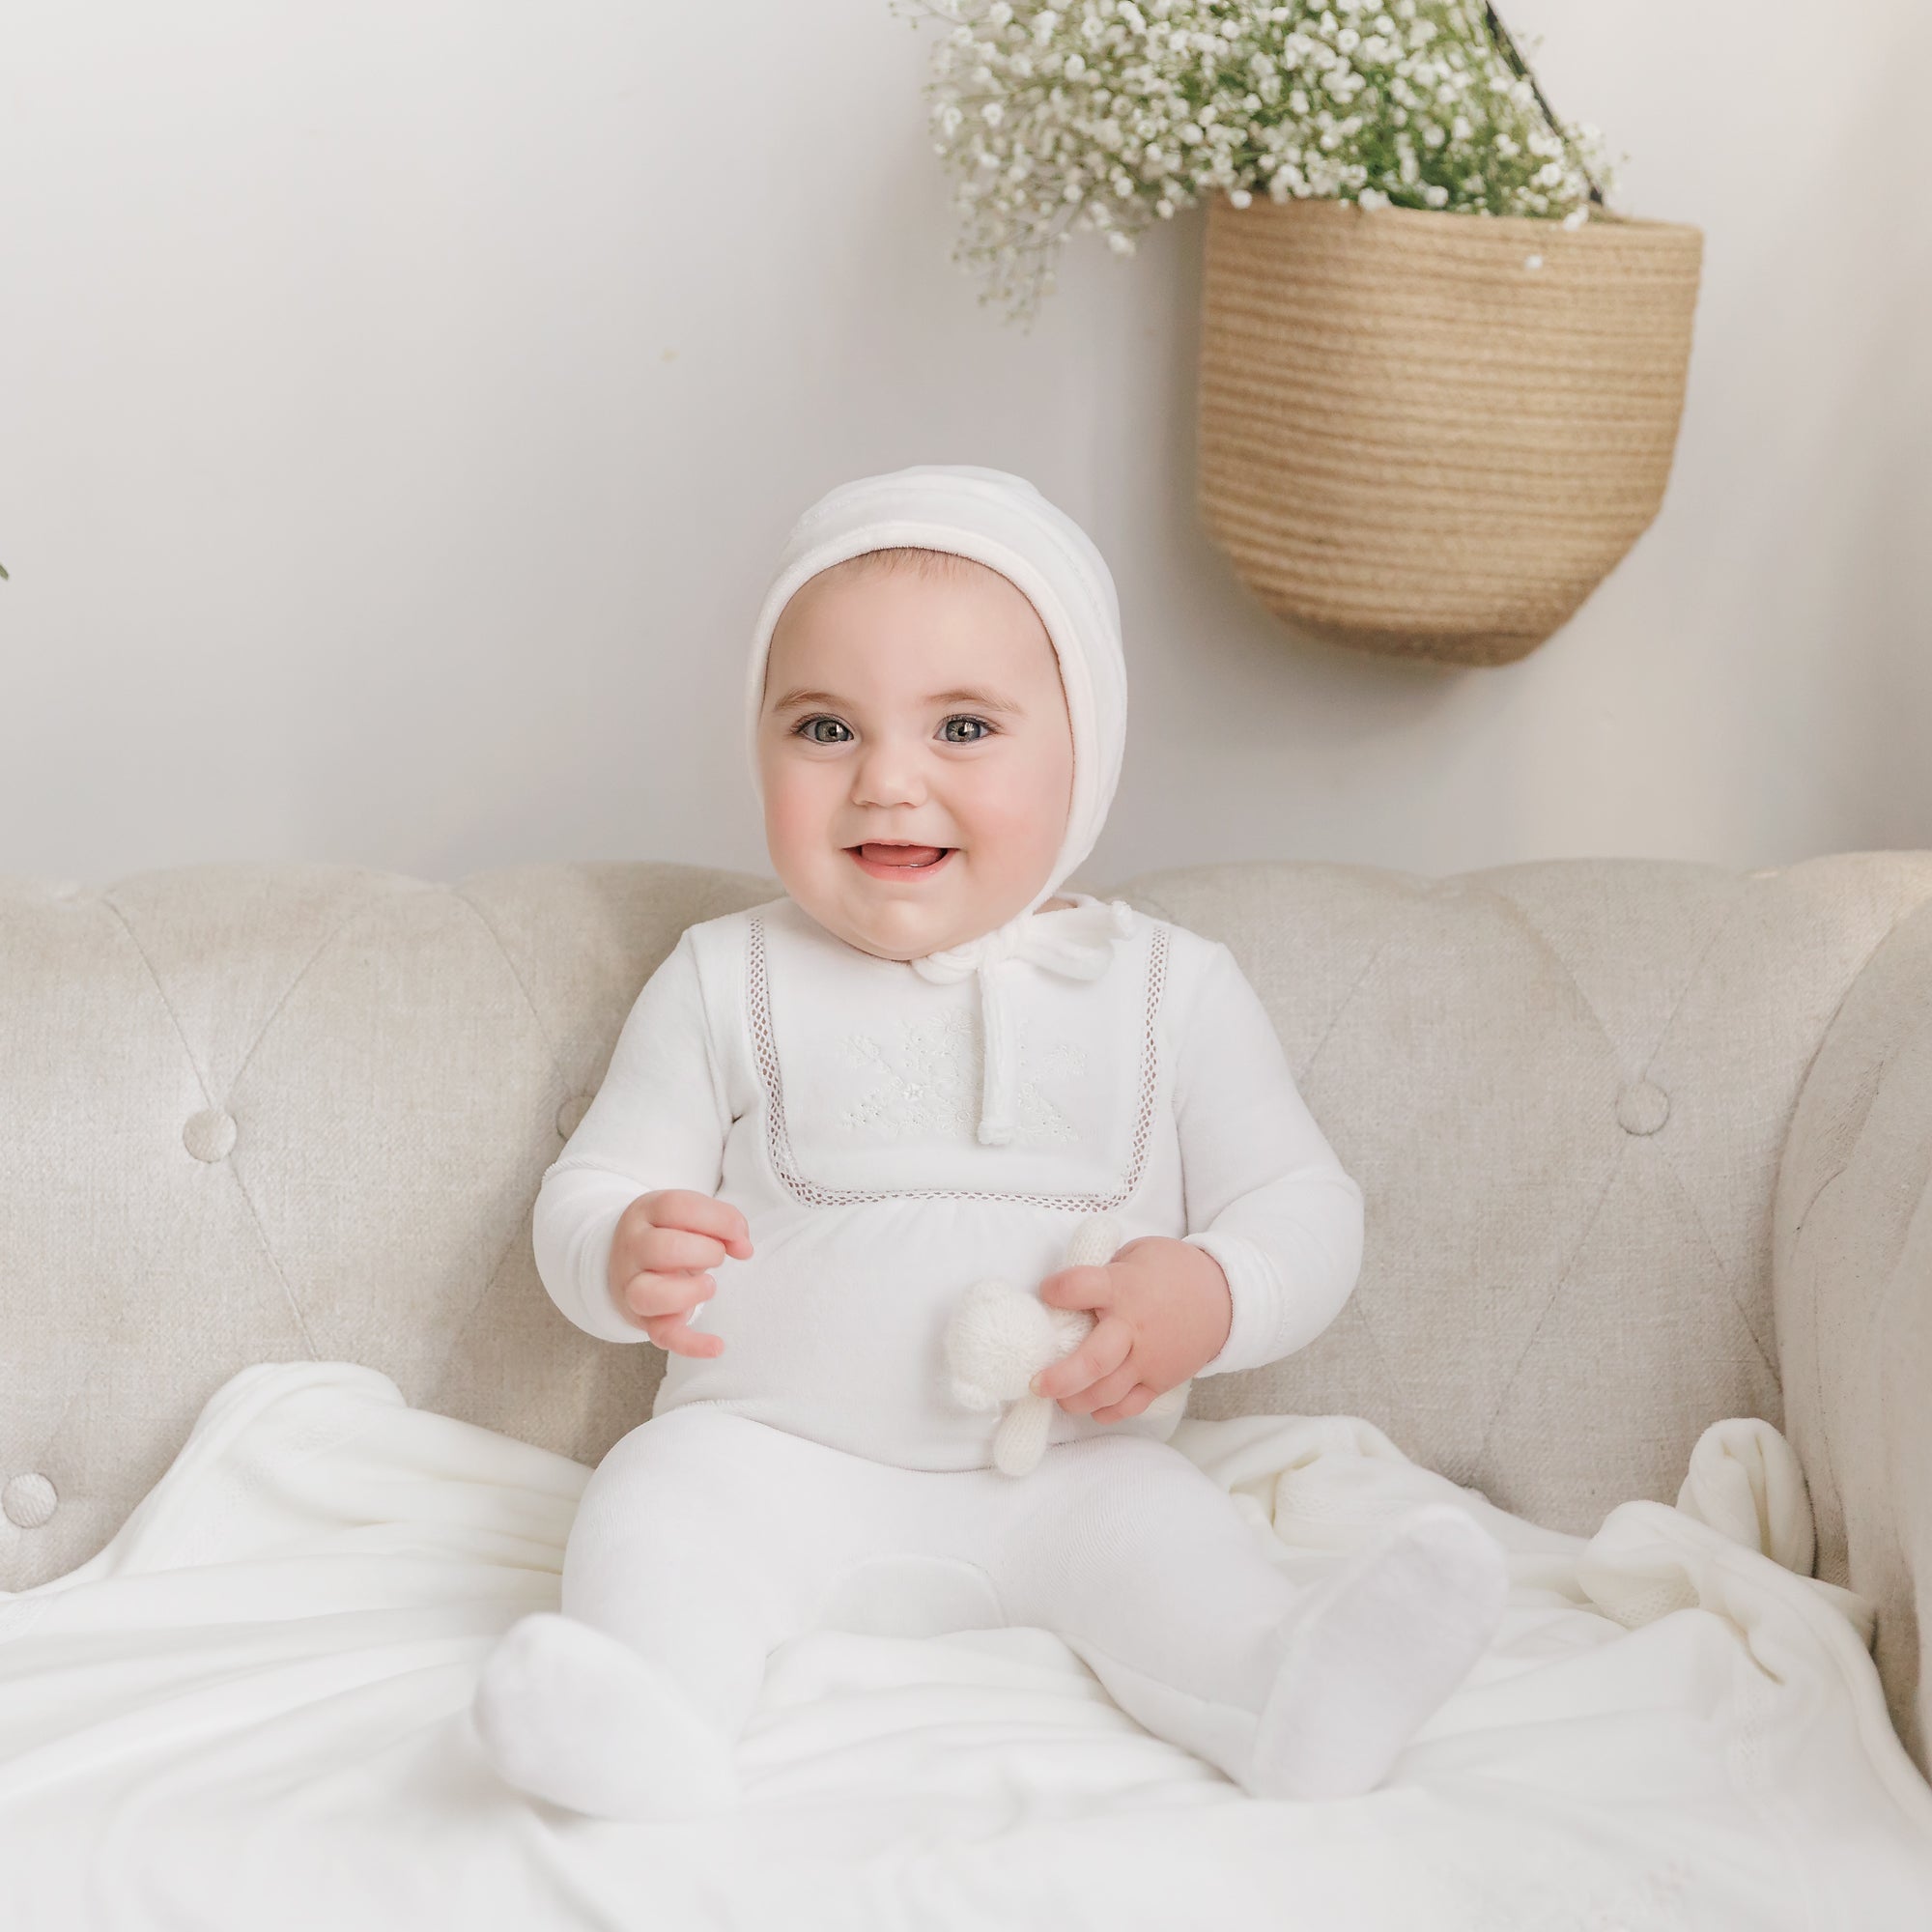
(1433, 434)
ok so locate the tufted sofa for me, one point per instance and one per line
(1645, 1144)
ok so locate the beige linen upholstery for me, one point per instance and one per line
(271, 1112)
(1853, 1293)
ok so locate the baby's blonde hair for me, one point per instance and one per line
(910, 556)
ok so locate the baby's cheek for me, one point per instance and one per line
(1017, 820)
(799, 813)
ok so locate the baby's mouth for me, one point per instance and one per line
(898, 855)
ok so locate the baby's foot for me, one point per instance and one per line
(1372, 1652)
(571, 1714)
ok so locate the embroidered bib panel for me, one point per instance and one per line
(872, 1074)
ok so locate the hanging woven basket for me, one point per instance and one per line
(1434, 435)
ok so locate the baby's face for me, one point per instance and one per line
(922, 708)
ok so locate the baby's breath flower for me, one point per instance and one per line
(1109, 115)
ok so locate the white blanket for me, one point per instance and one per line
(251, 1710)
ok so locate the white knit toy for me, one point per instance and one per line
(1001, 1336)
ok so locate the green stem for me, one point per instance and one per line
(1521, 69)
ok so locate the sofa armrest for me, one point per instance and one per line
(1851, 1283)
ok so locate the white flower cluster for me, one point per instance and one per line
(1103, 116)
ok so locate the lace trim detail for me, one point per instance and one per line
(777, 1141)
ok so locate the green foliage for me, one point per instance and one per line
(1105, 116)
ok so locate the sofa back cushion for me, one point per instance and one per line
(265, 1111)
(1565, 1087)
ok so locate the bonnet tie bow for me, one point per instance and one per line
(1076, 941)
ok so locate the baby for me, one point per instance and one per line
(917, 1068)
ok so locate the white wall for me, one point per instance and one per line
(403, 403)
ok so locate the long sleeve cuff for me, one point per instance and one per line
(1258, 1296)
(601, 1315)
(576, 1221)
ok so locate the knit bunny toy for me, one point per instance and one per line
(1001, 1336)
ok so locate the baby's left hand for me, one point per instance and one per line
(1161, 1310)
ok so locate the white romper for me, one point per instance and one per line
(818, 1471)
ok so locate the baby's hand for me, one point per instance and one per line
(1161, 1310)
(662, 1244)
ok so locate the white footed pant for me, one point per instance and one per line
(703, 1540)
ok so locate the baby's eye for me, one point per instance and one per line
(985, 731)
(803, 728)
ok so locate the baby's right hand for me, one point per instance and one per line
(662, 1244)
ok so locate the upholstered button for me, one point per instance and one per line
(28, 1501)
(572, 1113)
(1642, 1107)
(209, 1134)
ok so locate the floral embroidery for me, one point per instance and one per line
(779, 1140)
(931, 1084)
